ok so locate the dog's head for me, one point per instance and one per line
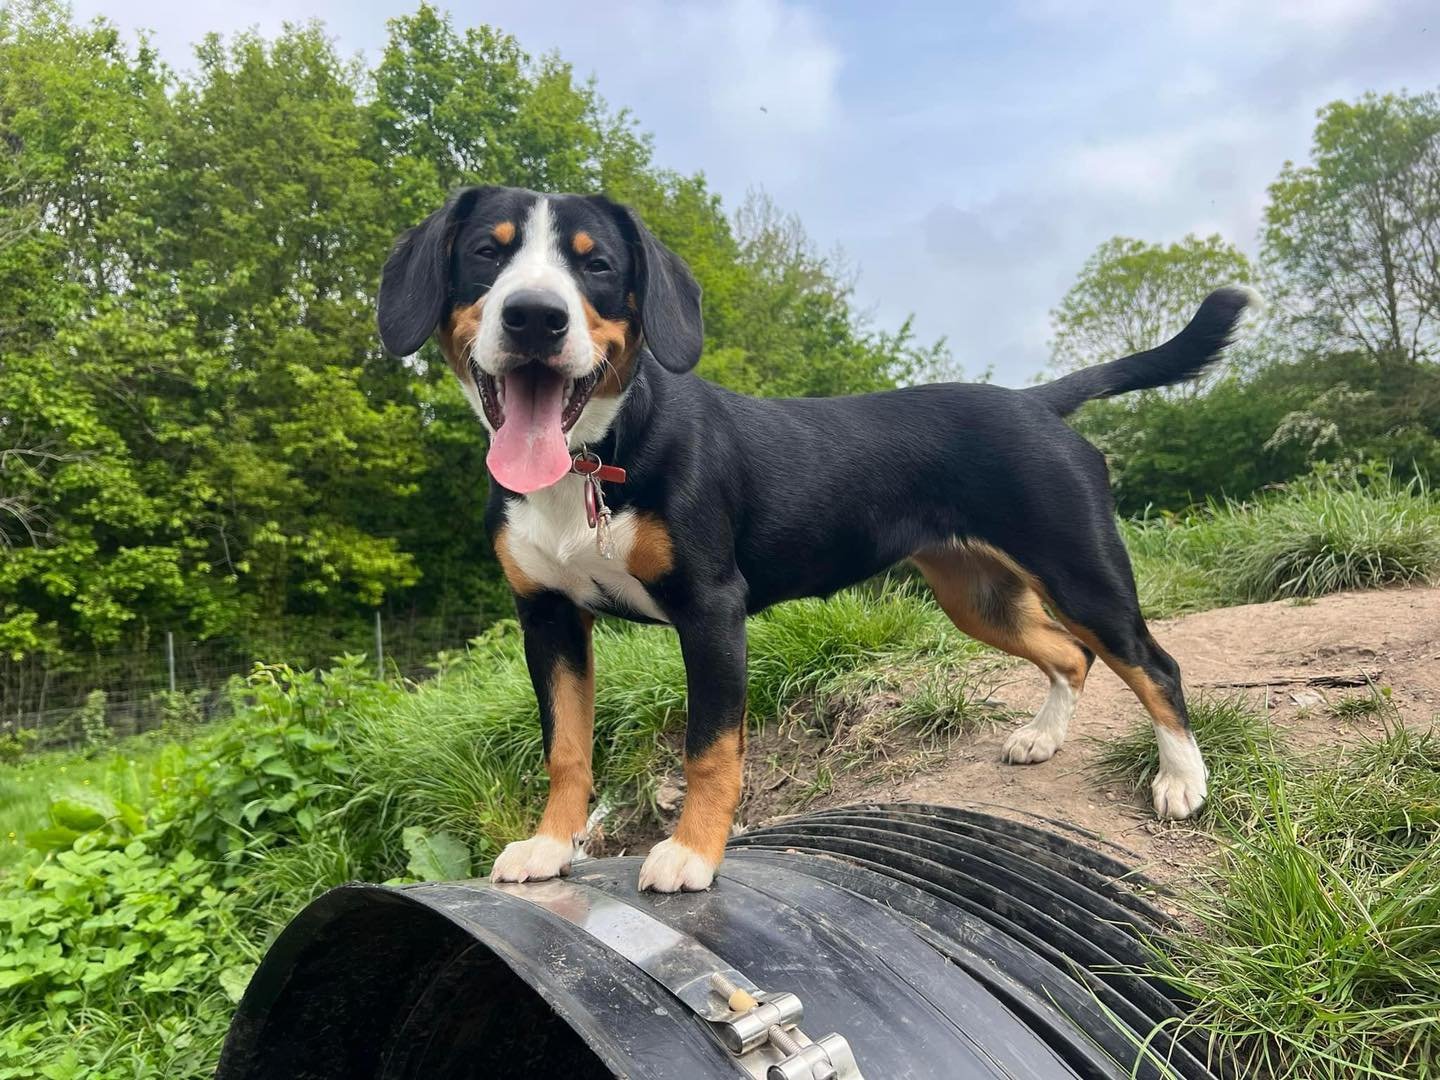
(541, 303)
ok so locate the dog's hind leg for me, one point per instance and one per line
(1091, 588)
(990, 599)
(1127, 647)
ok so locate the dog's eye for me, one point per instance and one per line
(486, 251)
(598, 266)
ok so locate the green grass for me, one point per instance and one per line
(1318, 952)
(463, 751)
(1240, 748)
(1367, 706)
(1314, 950)
(1311, 538)
(1318, 945)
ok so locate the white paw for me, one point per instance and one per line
(1031, 743)
(671, 867)
(1041, 737)
(1178, 794)
(1179, 786)
(536, 859)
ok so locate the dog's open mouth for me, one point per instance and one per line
(493, 393)
(531, 409)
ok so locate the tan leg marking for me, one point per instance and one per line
(572, 708)
(1180, 785)
(712, 795)
(990, 599)
(521, 583)
(549, 852)
(1137, 679)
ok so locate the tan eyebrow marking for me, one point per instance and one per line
(583, 243)
(504, 233)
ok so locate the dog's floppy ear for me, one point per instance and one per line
(415, 281)
(667, 297)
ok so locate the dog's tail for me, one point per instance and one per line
(1183, 357)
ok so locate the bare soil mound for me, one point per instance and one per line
(1296, 660)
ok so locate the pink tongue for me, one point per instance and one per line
(529, 451)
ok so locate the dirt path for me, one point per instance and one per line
(1271, 652)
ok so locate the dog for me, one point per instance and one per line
(623, 484)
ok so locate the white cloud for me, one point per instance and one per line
(1304, 17)
(747, 90)
(754, 55)
(1156, 165)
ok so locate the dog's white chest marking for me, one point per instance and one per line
(553, 545)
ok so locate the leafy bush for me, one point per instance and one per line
(15, 742)
(136, 930)
(94, 729)
(118, 932)
(1270, 426)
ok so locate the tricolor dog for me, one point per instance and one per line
(623, 484)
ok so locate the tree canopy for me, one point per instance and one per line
(1131, 295)
(1354, 234)
(199, 429)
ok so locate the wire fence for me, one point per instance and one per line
(52, 702)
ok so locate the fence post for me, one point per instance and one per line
(379, 647)
(170, 656)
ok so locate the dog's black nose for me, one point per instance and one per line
(535, 320)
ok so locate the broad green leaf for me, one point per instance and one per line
(234, 980)
(82, 815)
(52, 838)
(438, 856)
(280, 767)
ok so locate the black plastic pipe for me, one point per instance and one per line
(939, 943)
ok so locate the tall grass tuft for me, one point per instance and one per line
(1315, 537)
(1322, 540)
(1240, 748)
(1318, 950)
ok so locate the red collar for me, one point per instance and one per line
(588, 463)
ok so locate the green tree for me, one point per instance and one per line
(75, 119)
(1131, 296)
(1354, 235)
(197, 421)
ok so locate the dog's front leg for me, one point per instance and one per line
(713, 645)
(562, 669)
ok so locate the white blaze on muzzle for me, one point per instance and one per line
(530, 449)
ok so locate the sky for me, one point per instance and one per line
(965, 157)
